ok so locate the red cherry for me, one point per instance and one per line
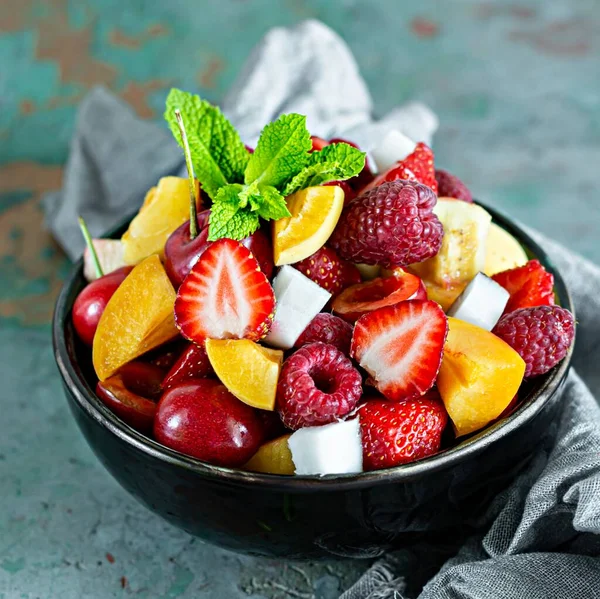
(132, 393)
(181, 252)
(192, 363)
(90, 303)
(202, 419)
(318, 143)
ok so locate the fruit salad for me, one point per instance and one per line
(297, 309)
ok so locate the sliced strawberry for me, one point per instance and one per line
(193, 363)
(401, 347)
(225, 296)
(360, 299)
(418, 166)
(328, 270)
(529, 285)
(398, 433)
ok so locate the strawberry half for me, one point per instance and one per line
(193, 363)
(401, 347)
(398, 433)
(418, 166)
(225, 296)
(360, 299)
(529, 286)
(328, 270)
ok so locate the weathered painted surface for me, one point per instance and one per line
(517, 90)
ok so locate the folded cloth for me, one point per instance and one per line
(538, 539)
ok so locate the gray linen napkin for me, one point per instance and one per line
(539, 538)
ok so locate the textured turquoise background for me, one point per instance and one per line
(516, 86)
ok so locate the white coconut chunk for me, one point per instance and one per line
(330, 449)
(393, 147)
(481, 303)
(298, 301)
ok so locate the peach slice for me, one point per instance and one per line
(315, 213)
(273, 457)
(166, 207)
(479, 376)
(250, 371)
(138, 318)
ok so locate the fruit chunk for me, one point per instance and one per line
(479, 376)
(503, 251)
(247, 369)
(165, 208)
(444, 295)
(192, 363)
(390, 225)
(481, 303)
(137, 318)
(395, 146)
(110, 256)
(299, 300)
(272, 457)
(399, 433)
(318, 385)
(450, 186)
(315, 213)
(329, 271)
(368, 272)
(360, 299)
(327, 328)
(331, 449)
(202, 419)
(463, 250)
(225, 296)
(529, 285)
(401, 346)
(541, 336)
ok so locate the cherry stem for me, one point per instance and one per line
(90, 245)
(191, 176)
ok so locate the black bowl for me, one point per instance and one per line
(358, 515)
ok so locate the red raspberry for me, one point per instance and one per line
(450, 186)
(317, 385)
(327, 270)
(330, 329)
(395, 433)
(541, 336)
(390, 225)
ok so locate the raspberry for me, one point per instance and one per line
(540, 335)
(317, 385)
(330, 329)
(390, 225)
(327, 270)
(450, 186)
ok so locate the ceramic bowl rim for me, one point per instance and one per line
(87, 400)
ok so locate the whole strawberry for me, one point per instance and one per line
(390, 225)
(327, 328)
(329, 271)
(318, 384)
(541, 336)
(395, 433)
(450, 186)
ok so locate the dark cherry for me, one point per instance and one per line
(193, 363)
(202, 419)
(181, 252)
(90, 303)
(132, 394)
(166, 355)
(273, 427)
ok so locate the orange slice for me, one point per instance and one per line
(273, 457)
(250, 371)
(165, 208)
(315, 213)
(138, 318)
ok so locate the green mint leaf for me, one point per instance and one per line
(281, 151)
(250, 194)
(273, 206)
(218, 154)
(228, 218)
(336, 162)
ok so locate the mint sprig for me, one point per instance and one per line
(246, 187)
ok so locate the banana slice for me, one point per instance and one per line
(503, 251)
